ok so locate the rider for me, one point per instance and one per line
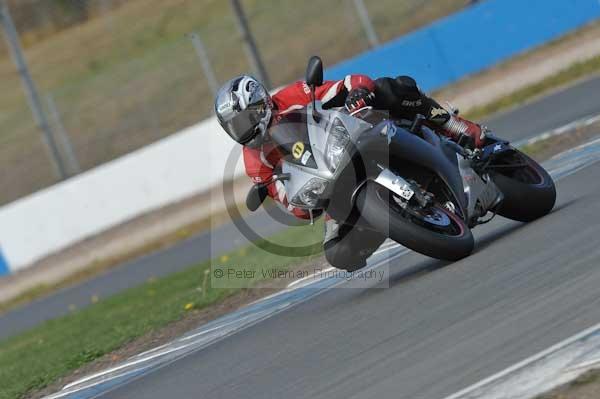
(246, 111)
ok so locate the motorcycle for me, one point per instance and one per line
(400, 178)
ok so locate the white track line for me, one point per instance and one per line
(586, 121)
(587, 365)
(296, 282)
(530, 360)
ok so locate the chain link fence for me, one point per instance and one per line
(117, 75)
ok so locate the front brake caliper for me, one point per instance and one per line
(424, 198)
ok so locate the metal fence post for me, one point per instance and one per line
(365, 20)
(209, 73)
(63, 139)
(250, 44)
(12, 38)
(105, 6)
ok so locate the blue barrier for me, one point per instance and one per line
(471, 40)
(4, 269)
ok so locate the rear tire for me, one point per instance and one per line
(373, 204)
(524, 200)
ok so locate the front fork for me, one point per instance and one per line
(482, 194)
(398, 185)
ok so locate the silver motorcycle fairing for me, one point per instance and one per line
(395, 184)
(477, 188)
(318, 134)
(472, 186)
(299, 177)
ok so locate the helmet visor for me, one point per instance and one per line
(242, 126)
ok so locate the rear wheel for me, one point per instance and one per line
(529, 191)
(433, 231)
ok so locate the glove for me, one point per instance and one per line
(358, 99)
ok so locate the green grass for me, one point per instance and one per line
(38, 357)
(568, 75)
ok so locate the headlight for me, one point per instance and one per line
(336, 145)
(310, 193)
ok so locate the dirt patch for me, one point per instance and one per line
(586, 386)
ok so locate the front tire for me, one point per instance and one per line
(529, 192)
(451, 242)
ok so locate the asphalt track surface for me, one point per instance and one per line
(438, 328)
(541, 115)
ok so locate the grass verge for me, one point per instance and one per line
(38, 357)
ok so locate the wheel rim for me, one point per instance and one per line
(434, 218)
(527, 174)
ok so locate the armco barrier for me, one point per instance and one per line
(471, 40)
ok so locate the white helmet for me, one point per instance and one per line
(243, 107)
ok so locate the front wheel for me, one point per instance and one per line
(529, 191)
(432, 231)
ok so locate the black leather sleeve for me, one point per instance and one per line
(403, 99)
(337, 101)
